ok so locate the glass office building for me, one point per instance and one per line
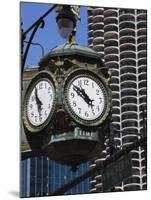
(41, 176)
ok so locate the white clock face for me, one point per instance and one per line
(86, 98)
(40, 102)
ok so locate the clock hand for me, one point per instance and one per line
(87, 98)
(39, 103)
(81, 92)
(78, 91)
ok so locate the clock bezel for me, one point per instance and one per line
(47, 76)
(100, 80)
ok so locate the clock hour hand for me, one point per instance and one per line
(87, 98)
(39, 103)
(81, 92)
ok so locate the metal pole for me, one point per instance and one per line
(28, 46)
(37, 44)
(23, 35)
(99, 167)
(39, 20)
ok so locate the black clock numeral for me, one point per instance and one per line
(74, 103)
(72, 95)
(31, 106)
(40, 118)
(50, 96)
(93, 112)
(49, 90)
(80, 83)
(40, 86)
(100, 100)
(86, 82)
(35, 118)
(97, 92)
(86, 114)
(33, 98)
(46, 113)
(32, 114)
(98, 108)
(92, 84)
(45, 85)
(79, 110)
(49, 106)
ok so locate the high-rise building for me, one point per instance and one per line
(120, 37)
(40, 176)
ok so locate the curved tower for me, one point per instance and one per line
(120, 36)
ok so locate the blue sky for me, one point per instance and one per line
(48, 37)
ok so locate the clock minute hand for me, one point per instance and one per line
(78, 91)
(87, 98)
(39, 103)
(81, 92)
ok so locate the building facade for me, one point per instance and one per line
(120, 37)
(41, 176)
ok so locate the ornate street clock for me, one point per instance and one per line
(39, 102)
(66, 106)
(86, 97)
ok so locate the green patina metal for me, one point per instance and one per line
(77, 134)
(66, 141)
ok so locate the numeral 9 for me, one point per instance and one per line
(72, 95)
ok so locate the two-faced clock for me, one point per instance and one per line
(87, 98)
(39, 102)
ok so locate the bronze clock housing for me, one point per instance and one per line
(75, 130)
